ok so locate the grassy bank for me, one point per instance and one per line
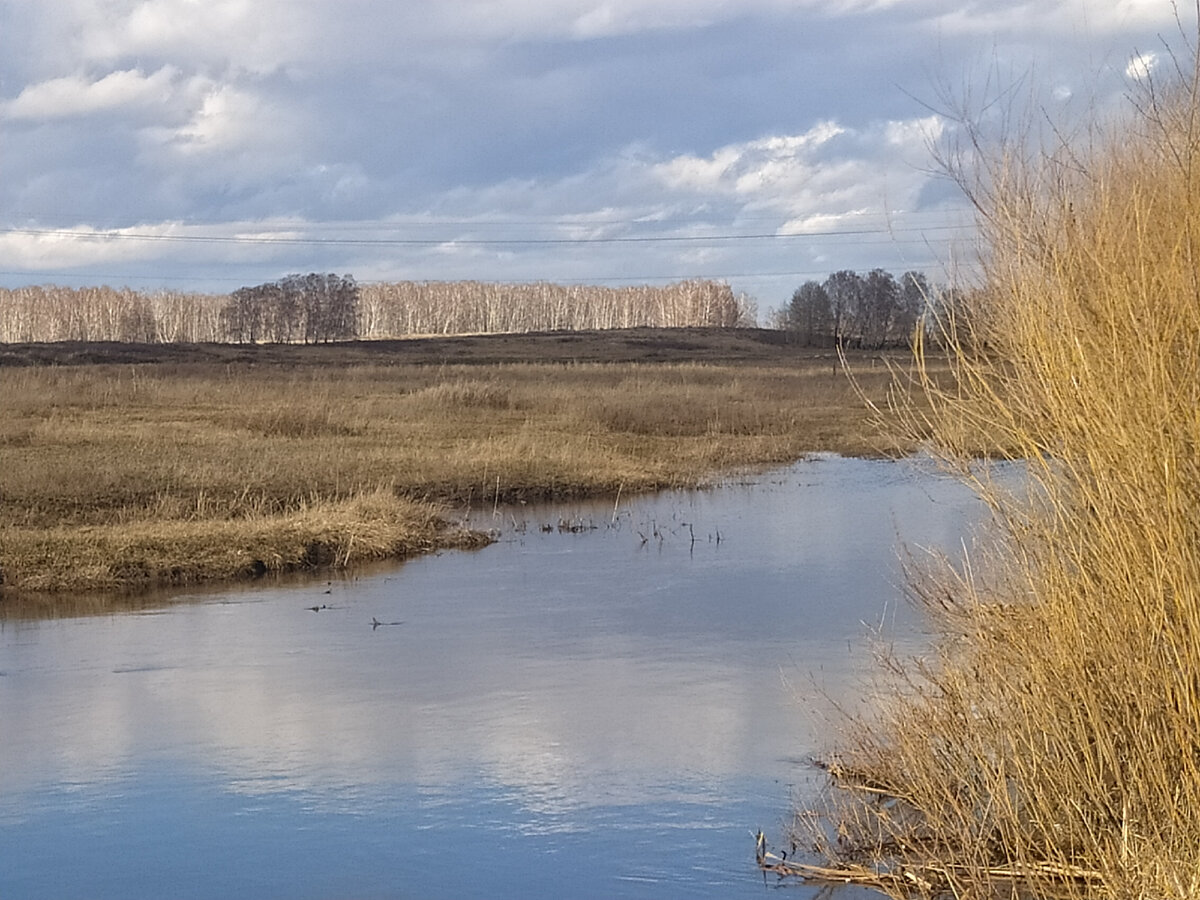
(1050, 745)
(120, 476)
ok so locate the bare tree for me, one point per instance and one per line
(808, 316)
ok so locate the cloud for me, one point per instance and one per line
(248, 35)
(524, 118)
(747, 168)
(1141, 66)
(822, 175)
(600, 19)
(860, 196)
(832, 196)
(74, 95)
(193, 116)
(1053, 18)
(587, 20)
(66, 248)
(229, 119)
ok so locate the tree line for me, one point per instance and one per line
(423, 307)
(870, 311)
(310, 308)
(847, 309)
(327, 307)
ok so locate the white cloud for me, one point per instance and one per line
(590, 19)
(228, 118)
(74, 95)
(1054, 18)
(747, 168)
(1115, 16)
(613, 17)
(249, 35)
(531, 118)
(912, 133)
(234, 138)
(803, 177)
(66, 248)
(522, 20)
(829, 178)
(1141, 66)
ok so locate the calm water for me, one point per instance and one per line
(560, 715)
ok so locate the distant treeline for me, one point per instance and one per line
(873, 311)
(317, 307)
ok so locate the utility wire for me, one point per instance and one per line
(433, 242)
(575, 220)
(592, 279)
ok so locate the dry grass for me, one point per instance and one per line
(1051, 743)
(202, 544)
(119, 476)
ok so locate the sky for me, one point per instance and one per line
(203, 145)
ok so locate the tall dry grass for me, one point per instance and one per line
(1050, 744)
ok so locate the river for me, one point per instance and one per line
(607, 702)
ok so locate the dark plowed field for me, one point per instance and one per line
(748, 345)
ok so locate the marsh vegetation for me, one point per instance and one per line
(120, 476)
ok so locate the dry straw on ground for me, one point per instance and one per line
(1050, 745)
(125, 476)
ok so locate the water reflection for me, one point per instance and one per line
(605, 713)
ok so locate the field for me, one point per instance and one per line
(131, 466)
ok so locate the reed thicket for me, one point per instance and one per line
(1050, 743)
(54, 313)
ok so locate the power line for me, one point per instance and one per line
(599, 279)
(567, 220)
(115, 275)
(474, 242)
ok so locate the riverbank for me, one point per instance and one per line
(129, 466)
